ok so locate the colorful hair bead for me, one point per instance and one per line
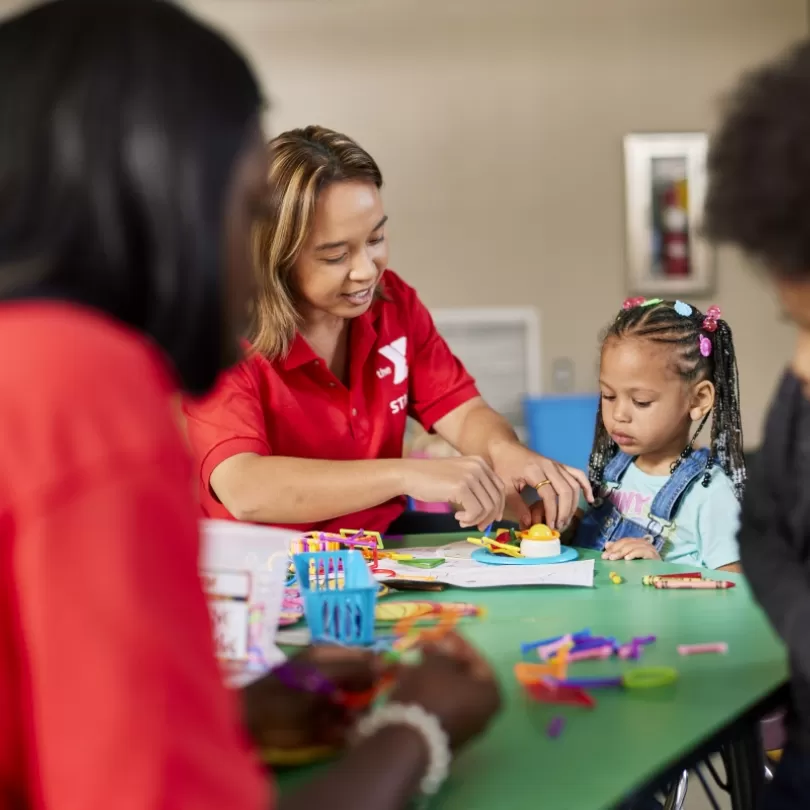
(682, 309)
(710, 321)
(705, 346)
(650, 302)
(629, 303)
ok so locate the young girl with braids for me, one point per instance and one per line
(666, 369)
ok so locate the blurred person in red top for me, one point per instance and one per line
(131, 168)
(308, 431)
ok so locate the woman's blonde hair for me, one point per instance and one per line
(302, 163)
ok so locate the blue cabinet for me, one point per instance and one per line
(561, 426)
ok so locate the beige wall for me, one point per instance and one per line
(498, 126)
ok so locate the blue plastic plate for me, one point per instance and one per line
(483, 556)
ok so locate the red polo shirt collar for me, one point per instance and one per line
(362, 337)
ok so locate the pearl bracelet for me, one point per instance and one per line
(436, 739)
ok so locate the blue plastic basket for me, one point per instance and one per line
(339, 596)
(561, 427)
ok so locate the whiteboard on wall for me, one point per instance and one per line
(500, 346)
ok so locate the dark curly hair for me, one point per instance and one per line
(759, 167)
(660, 322)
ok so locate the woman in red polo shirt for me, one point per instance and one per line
(308, 431)
(131, 165)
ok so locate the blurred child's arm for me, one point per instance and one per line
(775, 571)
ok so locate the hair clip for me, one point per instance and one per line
(710, 320)
(649, 302)
(705, 345)
(629, 303)
(682, 309)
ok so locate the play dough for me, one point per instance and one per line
(540, 541)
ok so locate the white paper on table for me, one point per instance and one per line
(243, 568)
(461, 550)
(468, 573)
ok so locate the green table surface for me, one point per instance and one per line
(607, 752)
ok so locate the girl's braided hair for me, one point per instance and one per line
(687, 331)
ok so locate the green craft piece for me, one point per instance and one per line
(425, 562)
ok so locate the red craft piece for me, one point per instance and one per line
(563, 695)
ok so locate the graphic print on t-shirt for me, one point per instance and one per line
(632, 505)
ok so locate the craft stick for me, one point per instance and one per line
(590, 683)
(697, 649)
(597, 653)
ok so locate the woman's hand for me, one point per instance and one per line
(468, 482)
(558, 485)
(455, 684)
(630, 548)
(279, 717)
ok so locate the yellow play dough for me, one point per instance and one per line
(541, 532)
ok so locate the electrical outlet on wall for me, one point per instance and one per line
(562, 375)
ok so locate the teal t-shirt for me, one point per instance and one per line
(706, 523)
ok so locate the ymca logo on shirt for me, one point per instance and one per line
(396, 353)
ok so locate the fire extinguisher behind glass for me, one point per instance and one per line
(675, 230)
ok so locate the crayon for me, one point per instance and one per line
(697, 584)
(651, 580)
(686, 575)
(696, 649)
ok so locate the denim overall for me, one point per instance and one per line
(604, 523)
